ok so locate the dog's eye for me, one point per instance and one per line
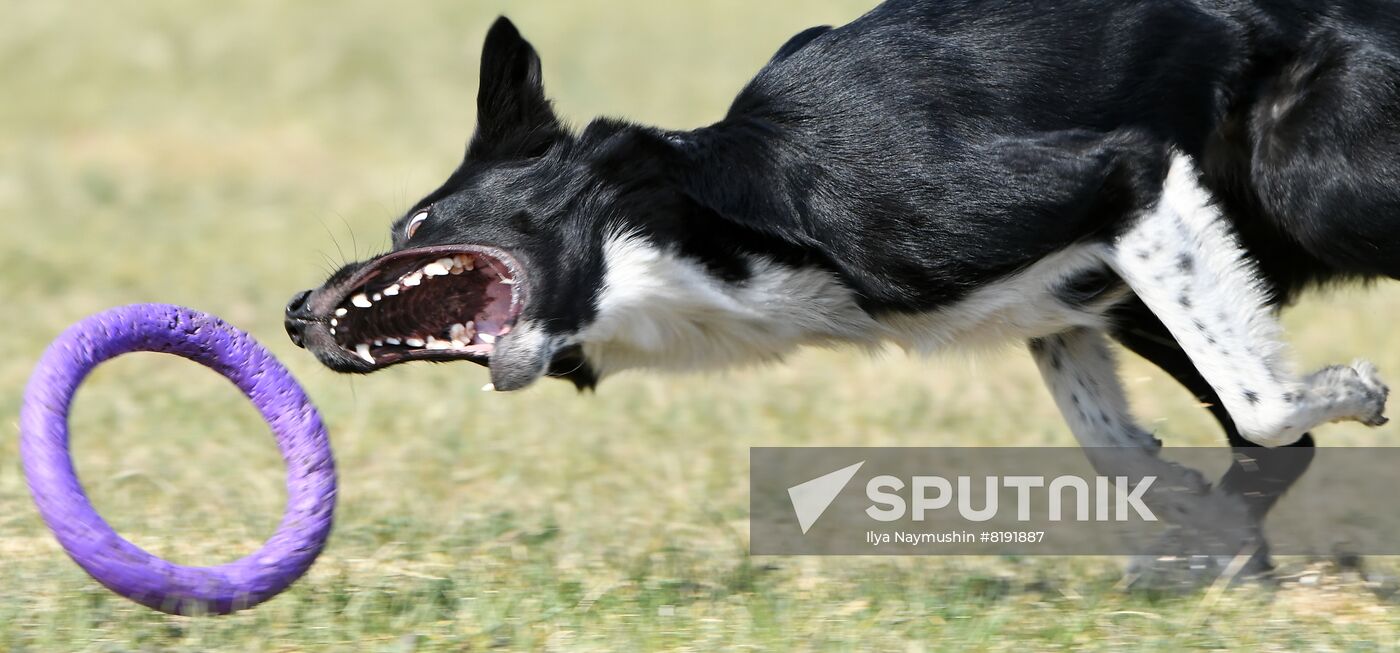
(413, 223)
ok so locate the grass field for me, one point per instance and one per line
(223, 155)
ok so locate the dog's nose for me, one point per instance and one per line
(296, 317)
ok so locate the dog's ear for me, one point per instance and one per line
(514, 120)
(629, 152)
(629, 155)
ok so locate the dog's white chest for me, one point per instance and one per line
(659, 310)
(1022, 306)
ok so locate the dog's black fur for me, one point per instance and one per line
(930, 148)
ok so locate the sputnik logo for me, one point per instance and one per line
(811, 499)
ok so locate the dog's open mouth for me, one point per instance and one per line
(437, 303)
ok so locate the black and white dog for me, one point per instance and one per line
(937, 173)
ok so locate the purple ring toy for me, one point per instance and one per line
(122, 566)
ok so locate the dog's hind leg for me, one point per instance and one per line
(1325, 148)
(1182, 260)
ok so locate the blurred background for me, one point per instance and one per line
(225, 155)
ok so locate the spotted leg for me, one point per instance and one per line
(1081, 374)
(1182, 260)
(1259, 476)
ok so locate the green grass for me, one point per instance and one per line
(222, 155)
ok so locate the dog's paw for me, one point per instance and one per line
(1375, 396)
(1176, 567)
(1185, 574)
(1355, 393)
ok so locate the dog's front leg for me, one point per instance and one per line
(1082, 376)
(1182, 259)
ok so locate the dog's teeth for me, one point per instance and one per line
(341, 312)
(335, 322)
(361, 301)
(488, 338)
(378, 297)
(413, 279)
(434, 269)
(414, 342)
(362, 350)
(438, 345)
(465, 261)
(391, 291)
(332, 330)
(393, 341)
(489, 387)
(462, 332)
(508, 281)
(378, 342)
